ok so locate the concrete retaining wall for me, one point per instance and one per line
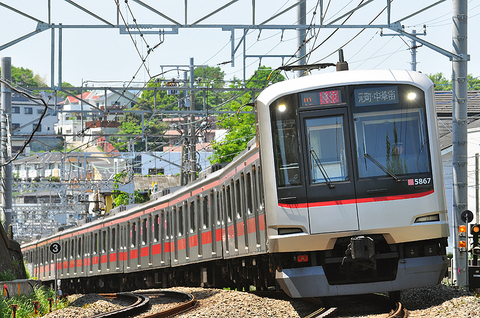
(19, 286)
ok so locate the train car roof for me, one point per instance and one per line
(342, 78)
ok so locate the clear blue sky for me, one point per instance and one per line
(93, 54)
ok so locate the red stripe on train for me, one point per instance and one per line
(353, 201)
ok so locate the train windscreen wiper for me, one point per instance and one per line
(321, 168)
(384, 169)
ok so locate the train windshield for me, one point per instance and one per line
(285, 143)
(392, 142)
(326, 144)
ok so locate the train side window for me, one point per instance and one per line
(134, 234)
(206, 219)
(156, 228)
(248, 192)
(79, 247)
(180, 221)
(228, 203)
(95, 244)
(254, 189)
(260, 185)
(113, 238)
(192, 217)
(144, 231)
(104, 241)
(238, 199)
(72, 248)
(219, 213)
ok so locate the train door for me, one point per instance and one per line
(330, 189)
(144, 248)
(164, 238)
(138, 245)
(103, 257)
(200, 228)
(150, 239)
(123, 247)
(244, 213)
(130, 238)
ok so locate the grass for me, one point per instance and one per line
(25, 303)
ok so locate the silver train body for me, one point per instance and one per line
(341, 193)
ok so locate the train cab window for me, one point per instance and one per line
(156, 228)
(398, 146)
(327, 159)
(206, 215)
(144, 231)
(192, 217)
(285, 143)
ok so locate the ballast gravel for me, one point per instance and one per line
(437, 301)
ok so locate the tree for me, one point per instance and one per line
(443, 84)
(241, 127)
(122, 198)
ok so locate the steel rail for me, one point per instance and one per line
(140, 304)
(189, 304)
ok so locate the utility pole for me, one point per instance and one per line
(459, 122)
(413, 51)
(301, 34)
(193, 135)
(5, 148)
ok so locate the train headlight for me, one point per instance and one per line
(282, 108)
(411, 96)
(428, 218)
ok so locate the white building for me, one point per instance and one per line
(82, 114)
(26, 115)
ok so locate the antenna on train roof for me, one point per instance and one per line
(341, 64)
(305, 67)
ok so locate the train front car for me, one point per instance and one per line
(354, 190)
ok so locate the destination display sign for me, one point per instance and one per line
(321, 98)
(376, 96)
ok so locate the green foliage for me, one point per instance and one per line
(122, 198)
(242, 130)
(444, 84)
(24, 77)
(132, 125)
(241, 126)
(25, 303)
(7, 276)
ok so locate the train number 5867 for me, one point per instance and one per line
(423, 181)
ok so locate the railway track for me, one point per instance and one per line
(141, 303)
(328, 309)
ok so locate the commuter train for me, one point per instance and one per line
(341, 192)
